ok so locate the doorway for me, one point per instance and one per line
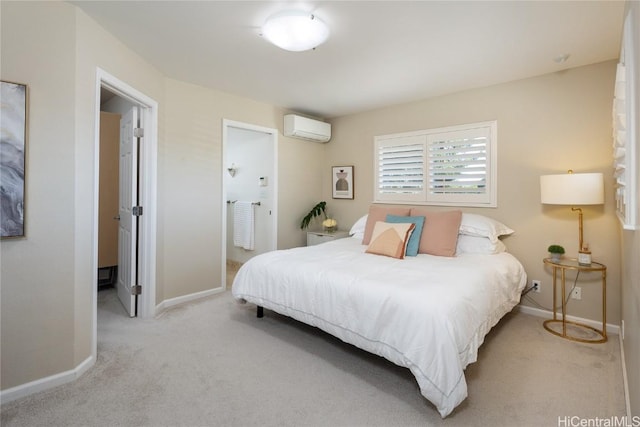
(118, 194)
(249, 173)
(145, 235)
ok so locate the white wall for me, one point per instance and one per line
(252, 153)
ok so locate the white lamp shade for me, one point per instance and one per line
(295, 30)
(572, 189)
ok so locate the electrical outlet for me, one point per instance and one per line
(537, 285)
(576, 293)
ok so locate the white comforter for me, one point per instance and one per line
(427, 313)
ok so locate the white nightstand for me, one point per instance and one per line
(317, 237)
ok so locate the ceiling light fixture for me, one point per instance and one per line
(295, 31)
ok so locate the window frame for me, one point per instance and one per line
(626, 158)
(423, 195)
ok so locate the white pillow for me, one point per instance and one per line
(357, 230)
(478, 245)
(482, 226)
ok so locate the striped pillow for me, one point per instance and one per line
(390, 239)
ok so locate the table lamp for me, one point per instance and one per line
(574, 189)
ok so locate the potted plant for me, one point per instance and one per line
(556, 251)
(329, 224)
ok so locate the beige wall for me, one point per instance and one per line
(190, 183)
(38, 293)
(47, 312)
(546, 124)
(631, 255)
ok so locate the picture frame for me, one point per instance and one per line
(342, 182)
(13, 142)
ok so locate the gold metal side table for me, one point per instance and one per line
(572, 264)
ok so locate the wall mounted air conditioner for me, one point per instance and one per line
(304, 128)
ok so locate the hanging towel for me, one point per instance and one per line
(243, 225)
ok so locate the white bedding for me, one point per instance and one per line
(427, 313)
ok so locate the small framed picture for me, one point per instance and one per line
(342, 182)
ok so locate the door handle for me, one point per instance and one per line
(117, 217)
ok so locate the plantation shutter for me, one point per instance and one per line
(458, 165)
(400, 169)
(453, 166)
(625, 134)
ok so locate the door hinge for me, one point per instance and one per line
(136, 290)
(137, 211)
(138, 132)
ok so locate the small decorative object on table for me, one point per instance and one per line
(555, 252)
(330, 225)
(584, 256)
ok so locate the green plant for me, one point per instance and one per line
(317, 210)
(555, 249)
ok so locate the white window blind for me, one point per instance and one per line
(445, 166)
(458, 165)
(624, 135)
(400, 166)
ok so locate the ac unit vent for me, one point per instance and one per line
(304, 128)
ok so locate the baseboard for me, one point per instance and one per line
(611, 329)
(625, 379)
(186, 298)
(46, 383)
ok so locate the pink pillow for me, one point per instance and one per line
(379, 213)
(440, 231)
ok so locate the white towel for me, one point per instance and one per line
(243, 225)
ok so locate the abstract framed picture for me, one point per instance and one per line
(342, 182)
(13, 144)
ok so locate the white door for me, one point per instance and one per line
(128, 198)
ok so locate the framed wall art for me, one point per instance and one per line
(13, 144)
(342, 182)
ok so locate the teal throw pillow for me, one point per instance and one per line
(414, 241)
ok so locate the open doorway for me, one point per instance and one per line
(118, 249)
(141, 122)
(250, 176)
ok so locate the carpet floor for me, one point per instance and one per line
(213, 363)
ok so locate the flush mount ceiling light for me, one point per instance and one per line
(295, 31)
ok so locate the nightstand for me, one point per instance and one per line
(317, 237)
(572, 264)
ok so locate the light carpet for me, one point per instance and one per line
(213, 363)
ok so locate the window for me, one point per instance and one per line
(453, 166)
(624, 135)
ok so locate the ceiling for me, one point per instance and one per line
(379, 53)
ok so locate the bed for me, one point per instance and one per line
(427, 313)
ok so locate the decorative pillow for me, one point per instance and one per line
(357, 229)
(414, 240)
(478, 245)
(379, 213)
(390, 239)
(440, 231)
(482, 226)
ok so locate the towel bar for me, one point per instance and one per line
(229, 202)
